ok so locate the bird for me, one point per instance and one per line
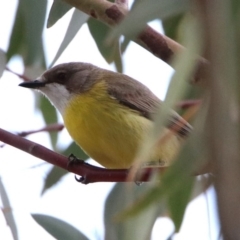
(109, 114)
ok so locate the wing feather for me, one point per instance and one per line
(138, 97)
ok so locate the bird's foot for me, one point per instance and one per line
(72, 159)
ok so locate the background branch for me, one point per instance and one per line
(55, 127)
(158, 44)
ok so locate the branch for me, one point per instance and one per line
(160, 45)
(185, 104)
(25, 78)
(88, 172)
(55, 127)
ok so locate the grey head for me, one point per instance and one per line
(61, 82)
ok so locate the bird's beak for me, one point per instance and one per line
(32, 84)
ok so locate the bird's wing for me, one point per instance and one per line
(138, 97)
(134, 95)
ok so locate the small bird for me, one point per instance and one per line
(108, 114)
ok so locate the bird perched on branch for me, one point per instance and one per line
(108, 114)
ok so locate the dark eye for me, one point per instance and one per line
(61, 77)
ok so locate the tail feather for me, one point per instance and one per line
(179, 125)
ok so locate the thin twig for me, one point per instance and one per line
(25, 78)
(55, 127)
(189, 103)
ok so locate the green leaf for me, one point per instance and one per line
(7, 211)
(138, 227)
(26, 37)
(171, 25)
(178, 201)
(58, 10)
(73, 148)
(50, 116)
(2, 62)
(53, 177)
(77, 20)
(177, 179)
(145, 11)
(99, 32)
(175, 187)
(59, 229)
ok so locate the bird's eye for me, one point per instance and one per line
(61, 77)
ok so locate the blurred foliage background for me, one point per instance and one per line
(206, 28)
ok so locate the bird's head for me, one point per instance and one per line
(63, 81)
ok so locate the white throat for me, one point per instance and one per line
(58, 95)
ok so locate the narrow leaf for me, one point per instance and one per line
(26, 37)
(171, 26)
(178, 201)
(7, 211)
(111, 53)
(53, 177)
(50, 116)
(74, 149)
(59, 229)
(99, 32)
(138, 227)
(58, 10)
(177, 176)
(56, 173)
(2, 62)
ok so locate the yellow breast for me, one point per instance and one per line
(107, 131)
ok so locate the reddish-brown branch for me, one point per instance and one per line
(189, 103)
(160, 45)
(25, 78)
(55, 127)
(88, 172)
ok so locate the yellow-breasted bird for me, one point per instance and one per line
(108, 114)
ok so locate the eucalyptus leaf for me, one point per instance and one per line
(7, 211)
(26, 36)
(2, 62)
(59, 229)
(53, 177)
(179, 200)
(177, 180)
(56, 173)
(138, 227)
(74, 149)
(171, 26)
(111, 53)
(50, 116)
(76, 22)
(99, 32)
(58, 10)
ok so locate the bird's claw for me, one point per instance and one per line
(72, 159)
(80, 179)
